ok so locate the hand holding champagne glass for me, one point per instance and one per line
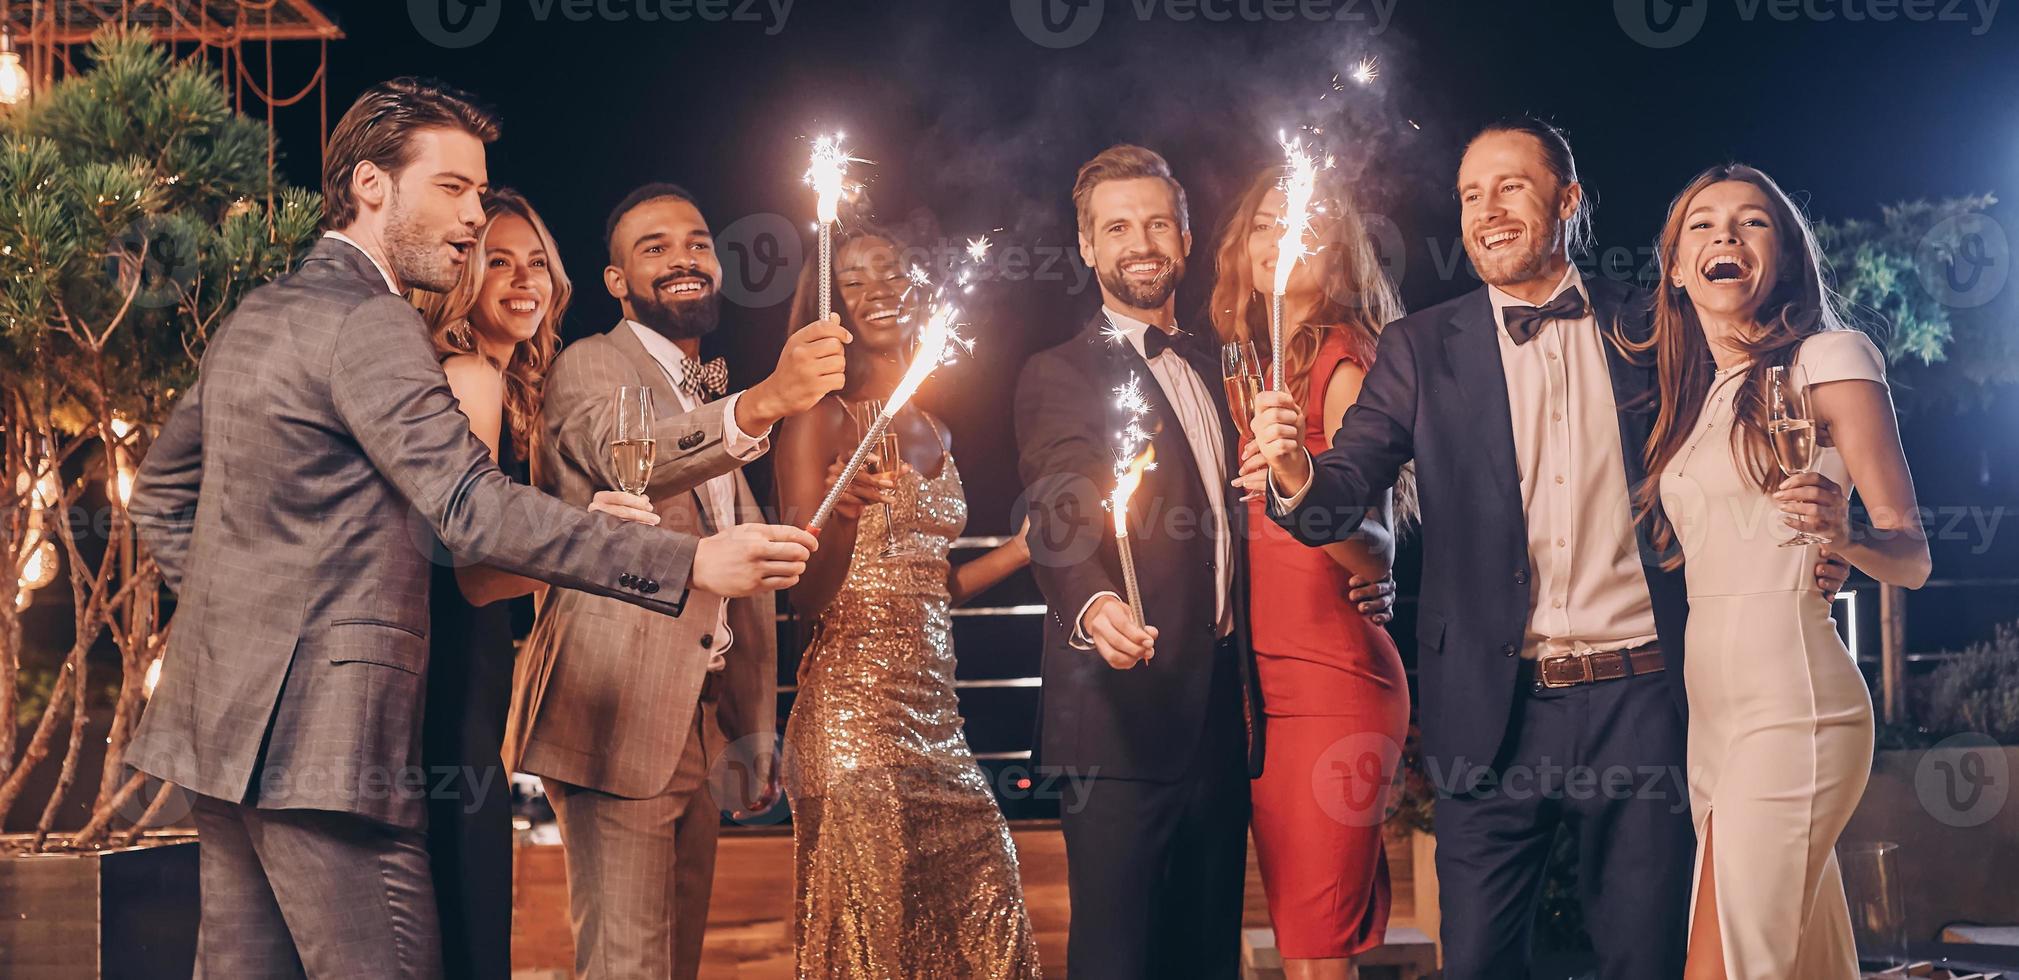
(631, 447)
(1793, 435)
(1241, 370)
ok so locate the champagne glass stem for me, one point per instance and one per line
(848, 472)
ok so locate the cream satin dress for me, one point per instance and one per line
(1780, 723)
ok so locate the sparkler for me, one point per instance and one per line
(938, 341)
(1133, 456)
(1299, 182)
(1366, 71)
(828, 176)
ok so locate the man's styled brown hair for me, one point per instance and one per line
(379, 127)
(1124, 161)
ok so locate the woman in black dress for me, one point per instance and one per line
(496, 333)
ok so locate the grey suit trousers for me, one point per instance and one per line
(313, 893)
(640, 872)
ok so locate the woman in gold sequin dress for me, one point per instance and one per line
(904, 866)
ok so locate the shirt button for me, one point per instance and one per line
(1508, 650)
(1559, 479)
(1556, 603)
(1556, 416)
(1560, 543)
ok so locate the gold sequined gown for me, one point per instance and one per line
(904, 866)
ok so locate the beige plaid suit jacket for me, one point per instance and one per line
(292, 501)
(605, 694)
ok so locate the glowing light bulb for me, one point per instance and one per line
(14, 81)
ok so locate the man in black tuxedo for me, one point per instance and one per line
(1549, 638)
(1160, 720)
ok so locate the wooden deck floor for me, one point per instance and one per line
(749, 926)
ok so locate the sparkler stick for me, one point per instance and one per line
(1133, 456)
(1299, 182)
(828, 175)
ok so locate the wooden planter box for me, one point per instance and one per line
(125, 913)
(1956, 820)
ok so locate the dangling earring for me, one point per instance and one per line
(460, 336)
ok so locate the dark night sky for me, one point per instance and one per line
(974, 127)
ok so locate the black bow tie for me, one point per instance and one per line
(1524, 322)
(1156, 341)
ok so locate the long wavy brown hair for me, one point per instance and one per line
(1801, 304)
(1359, 299)
(448, 317)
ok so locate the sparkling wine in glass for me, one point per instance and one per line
(1793, 435)
(1241, 370)
(631, 450)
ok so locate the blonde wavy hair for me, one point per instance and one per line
(448, 317)
(1358, 298)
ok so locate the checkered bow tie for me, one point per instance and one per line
(704, 380)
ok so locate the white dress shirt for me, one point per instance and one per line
(1587, 591)
(1200, 419)
(718, 495)
(391, 285)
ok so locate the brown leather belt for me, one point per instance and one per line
(1573, 669)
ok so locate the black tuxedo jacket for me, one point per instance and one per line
(1437, 394)
(1142, 723)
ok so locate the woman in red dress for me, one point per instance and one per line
(1332, 681)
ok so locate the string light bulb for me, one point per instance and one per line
(14, 81)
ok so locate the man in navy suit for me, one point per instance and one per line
(1549, 637)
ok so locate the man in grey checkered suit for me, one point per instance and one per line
(291, 501)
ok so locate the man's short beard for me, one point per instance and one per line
(1147, 297)
(679, 320)
(417, 260)
(1530, 266)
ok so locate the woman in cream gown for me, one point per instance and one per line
(1780, 724)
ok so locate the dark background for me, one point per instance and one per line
(973, 127)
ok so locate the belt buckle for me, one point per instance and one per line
(1581, 675)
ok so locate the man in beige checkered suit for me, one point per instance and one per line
(623, 713)
(291, 502)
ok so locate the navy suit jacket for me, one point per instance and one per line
(1142, 723)
(1437, 394)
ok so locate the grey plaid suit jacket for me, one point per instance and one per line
(291, 501)
(605, 694)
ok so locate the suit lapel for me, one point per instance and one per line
(1474, 352)
(1633, 382)
(665, 398)
(1173, 449)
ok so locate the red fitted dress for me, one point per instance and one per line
(1338, 710)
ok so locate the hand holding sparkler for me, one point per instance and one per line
(1279, 443)
(811, 367)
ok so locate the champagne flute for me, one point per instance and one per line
(880, 461)
(632, 447)
(1793, 434)
(1241, 370)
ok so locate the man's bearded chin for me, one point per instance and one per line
(1148, 296)
(418, 260)
(1499, 269)
(680, 319)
